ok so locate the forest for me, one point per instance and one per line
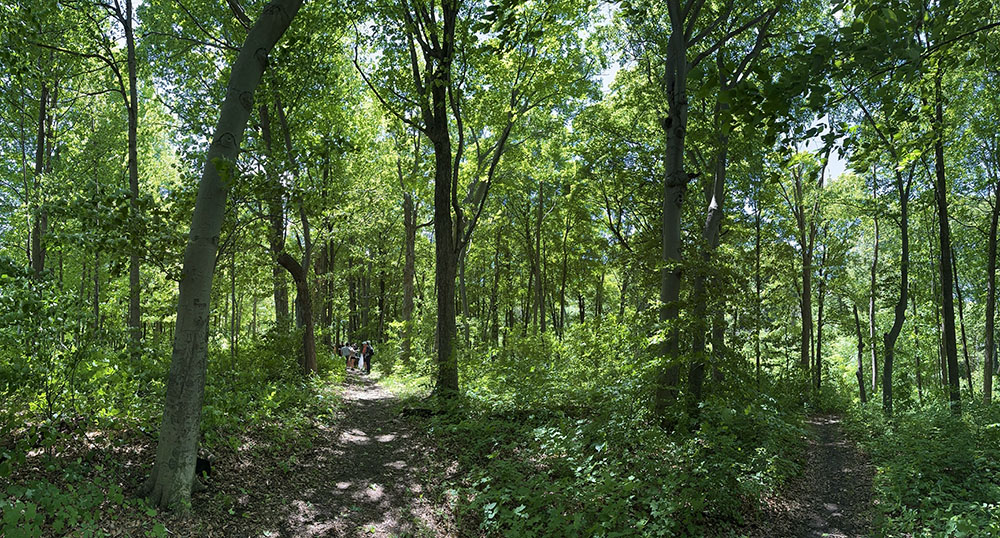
(614, 268)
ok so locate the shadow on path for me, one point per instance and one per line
(367, 474)
(832, 498)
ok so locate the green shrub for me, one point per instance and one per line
(937, 474)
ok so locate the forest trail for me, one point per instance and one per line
(832, 497)
(368, 473)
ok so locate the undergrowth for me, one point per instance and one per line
(561, 442)
(71, 465)
(938, 475)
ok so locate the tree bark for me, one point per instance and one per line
(303, 311)
(710, 235)
(889, 338)
(861, 364)
(599, 299)
(873, 295)
(944, 231)
(39, 224)
(562, 279)
(675, 182)
(916, 347)
(757, 281)
(991, 297)
(172, 476)
(132, 105)
(961, 324)
(276, 221)
(409, 272)
(539, 281)
(494, 292)
(818, 359)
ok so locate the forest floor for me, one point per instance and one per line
(365, 472)
(369, 474)
(831, 498)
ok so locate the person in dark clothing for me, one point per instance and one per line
(367, 351)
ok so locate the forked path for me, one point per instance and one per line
(370, 474)
(832, 498)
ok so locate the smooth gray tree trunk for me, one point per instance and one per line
(172, 477)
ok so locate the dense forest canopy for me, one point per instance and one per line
(615, 239)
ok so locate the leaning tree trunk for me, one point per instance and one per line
(172, 477)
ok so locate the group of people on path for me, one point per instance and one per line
(358, 357)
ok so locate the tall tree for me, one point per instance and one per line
(172, 477)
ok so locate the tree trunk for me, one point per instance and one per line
(445, 259)
(352, 306)
(172, 477)
(132, 104)
(303, 311)
(599, 299)
(873, 294)
(233, 325)
(961, 324)
(818, 359)
(380, 335)
(939, 327)
(710, 234)
(562, 279)
(805, 303)
(944, 231)
(38, 214)
(674, 185)
(889, 338)
(494, 292)
(991, 297)
(757, 282)
(916, 347)
(463, 297)
(276, 221)
(861, 364)
(409, 272)
(539, 280)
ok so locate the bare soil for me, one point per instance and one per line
(365, 472)
(833, 496)
(370, 477)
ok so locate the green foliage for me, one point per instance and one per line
(936, 474)
(555, 439)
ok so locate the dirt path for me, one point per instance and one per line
(369, 474)
(832, 498)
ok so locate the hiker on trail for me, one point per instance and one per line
(348, 353)
(366, 352)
